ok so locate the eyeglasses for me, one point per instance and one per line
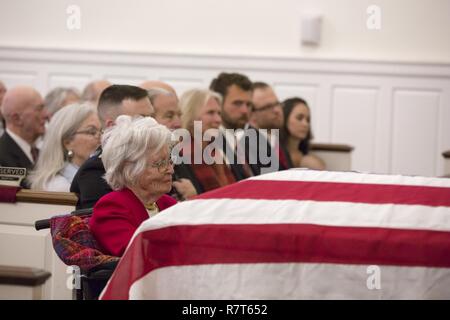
(269, 106)
(162, 165)
(90, 131)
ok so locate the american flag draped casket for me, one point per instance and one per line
(296, 234)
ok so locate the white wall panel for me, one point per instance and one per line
(15, 78)
(415, 125)
(354, 122)
(123, 79)
(182, 85)
(304, 91)
(68, 80)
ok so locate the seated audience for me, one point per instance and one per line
(25, 116)
(296, 135)
(204, 106)
(115, 100)
(60, 97)
(93, 90)
(73, 134)
(137, 160)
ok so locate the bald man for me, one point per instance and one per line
(156, 84)
(93, 90)
(167, 112)
(25, 116)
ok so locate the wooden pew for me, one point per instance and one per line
(446, 156)
(22, 283)
(22, 246)
(337, 157)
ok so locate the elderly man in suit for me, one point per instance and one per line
(25, 117)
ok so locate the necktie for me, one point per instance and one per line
(241, 160)
(34, 153)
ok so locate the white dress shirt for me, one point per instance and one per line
(62, 181)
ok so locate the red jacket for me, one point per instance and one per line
(116, 217)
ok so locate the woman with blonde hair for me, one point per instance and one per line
(203, 106)
(73, 134)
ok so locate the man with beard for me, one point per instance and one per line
(236, 91)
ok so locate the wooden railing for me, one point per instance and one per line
(331, 147)
(22, 282)
(337, 157)
(446, 156)
(33, 196)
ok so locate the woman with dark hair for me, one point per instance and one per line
(296, 135)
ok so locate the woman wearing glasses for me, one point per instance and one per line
(138, 165)
(72, 136)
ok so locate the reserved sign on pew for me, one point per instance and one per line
(11, 176)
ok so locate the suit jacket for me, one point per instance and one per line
(235, 167)
(184, 170)
(88, 183)
(116, 217)
(12, 156)
(253, 149)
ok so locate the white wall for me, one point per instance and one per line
(411, 30)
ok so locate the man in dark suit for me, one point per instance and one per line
(25, 117)
(265, 120)
(115, 100)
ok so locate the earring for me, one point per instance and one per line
(69, 154)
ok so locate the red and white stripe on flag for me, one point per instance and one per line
(296, 234)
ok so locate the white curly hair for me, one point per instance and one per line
(126, 147)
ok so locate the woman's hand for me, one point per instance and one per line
(185, 188)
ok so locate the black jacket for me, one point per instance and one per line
(253, 156)
(12, 156)
(88, 183)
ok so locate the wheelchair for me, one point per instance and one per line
(75, 246)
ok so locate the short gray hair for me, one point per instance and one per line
(153, 93)
(126, 147)
(54, 100)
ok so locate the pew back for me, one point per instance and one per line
(22, 246)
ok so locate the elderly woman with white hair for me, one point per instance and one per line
(72, 136)
(139, 168)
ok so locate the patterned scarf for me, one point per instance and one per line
(211, 176)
